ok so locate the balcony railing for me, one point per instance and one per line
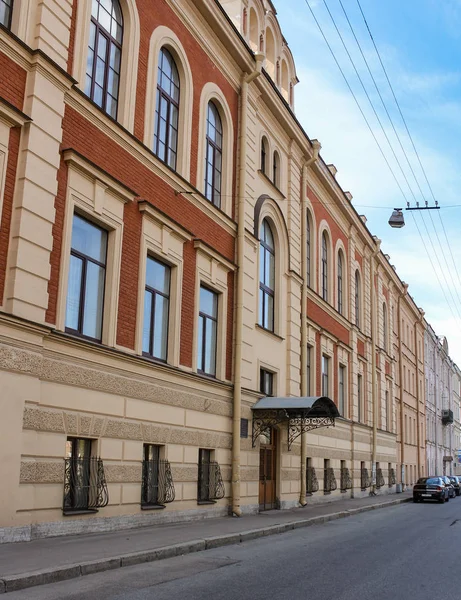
(346, 481)
(447, 417)
(365, 481)
(210, 483)
(157, 483)
(85, 487)
(329, 481)
(312, 485)
(379, 478)
(391, 477)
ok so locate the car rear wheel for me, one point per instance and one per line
(442, 500)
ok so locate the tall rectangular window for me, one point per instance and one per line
(6, 10)
(266, 382)
(359, 398)
(156, 309)
(325, 374)
(87, 274)
(207, 331)
(308, 369)
(342, 390)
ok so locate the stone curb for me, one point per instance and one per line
(13, 583)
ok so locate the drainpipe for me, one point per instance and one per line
(373, 363)
(237, 401)
(402, 430)
(315, 155)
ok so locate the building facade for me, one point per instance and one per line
(174, 248)
(442, 406)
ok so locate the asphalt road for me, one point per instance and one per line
(407, 551)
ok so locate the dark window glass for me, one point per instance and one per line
(150, 487)
(77, 485)
(324, 267)
(87, 273)
(213, 165)
(384, 327)
(276, 169)
(357, 299)
(359, 396)
(342, 390)
(207, 331)
(6, 11)
(266, 382)
(156, 309)
(167, 110)
(263, 156)
(308, 240)
(308, 368)
(340, 283)
(325, 373)
(266, 277)
(104, 55)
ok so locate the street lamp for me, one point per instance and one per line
(397, 221)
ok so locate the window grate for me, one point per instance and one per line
(85, 486)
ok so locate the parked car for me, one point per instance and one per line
(449, 484)
(456, 482)
(431, 488)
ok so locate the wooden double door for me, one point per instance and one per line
(267, 470)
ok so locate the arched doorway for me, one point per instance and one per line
(268, 469)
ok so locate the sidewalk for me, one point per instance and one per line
(27, 564)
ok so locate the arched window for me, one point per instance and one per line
(276, 170)
(166, 109)
(285, 84)
(324, 266)
(266, 276)
(357, 298)
(104, 55)
(6, 11)
(384, 326)
(264, 156)
(213, 167)
(308, 256)
(340, 283)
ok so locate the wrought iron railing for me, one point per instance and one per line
(346, 481)
(210, 483)
(157, 483)
(379, 478)
(85, 486)
(329, 480)
(391, 477)
(365, 481)
(312, 484)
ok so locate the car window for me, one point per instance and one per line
(430, 481)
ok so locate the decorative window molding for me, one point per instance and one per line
(130, 53)
(9, 117)
(162, 37)
(212, 93)
(99, 198)
(212, 273)
(163, 240)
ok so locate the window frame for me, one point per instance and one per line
(340, 281)
(324, 269)
(266, 382)
(264, 155)
(85, 259)
(358, 299)
(172, 104)
(9, 4)
(216, 150)
(154, 293)
(101, 31)
(309, 369)
(276, 169)
(201, 352)
(309, 248)
(264, 289)
(360, 407)
(342, 387)
(326, 375)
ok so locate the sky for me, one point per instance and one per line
(419, 42)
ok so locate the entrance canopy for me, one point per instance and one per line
(301, 415)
